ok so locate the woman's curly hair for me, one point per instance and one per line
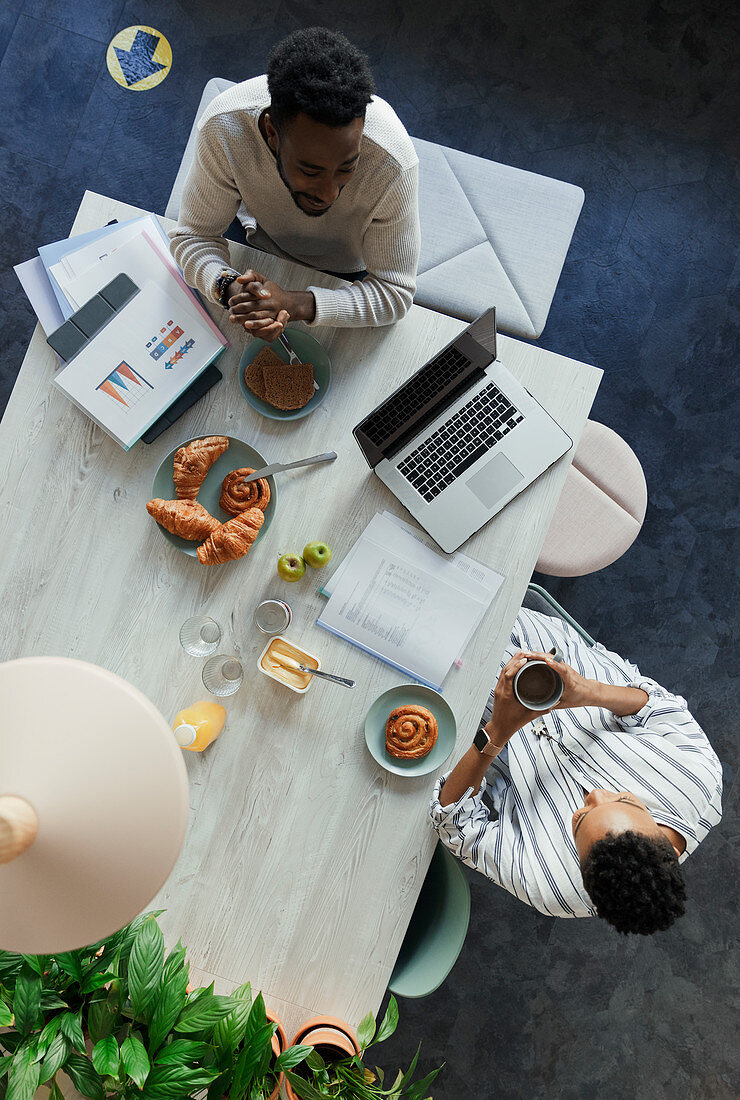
(635, 882)
(319, 73)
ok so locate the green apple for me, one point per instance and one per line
(317, 554)
(291, 567)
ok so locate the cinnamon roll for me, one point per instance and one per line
(237, 495)
(410, 732)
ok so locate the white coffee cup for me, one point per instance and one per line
(537, 685)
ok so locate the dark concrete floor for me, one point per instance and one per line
(637, 103)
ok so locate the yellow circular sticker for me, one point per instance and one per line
(139, 58)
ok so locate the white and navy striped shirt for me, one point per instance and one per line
(536, 783)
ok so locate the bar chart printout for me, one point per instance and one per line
(125, 385)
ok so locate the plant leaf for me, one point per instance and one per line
(293, 1056)
(27, 1001)
(145, 965)
(101, 1016)
(55, 1057)
(6, 1016)
(253, 1059)
(49, 1031)
(180, 1052)
(23, 1076)
(84, 1077)
(204, 1013)
(135, 1059)
(97, 981)
(366, 1030)
(10, 962)
(5, 1062)
(37, 963)
(390, 1021)
(304, 1089)
(105, 1056)
(175, 1082)
(55, 1093)
(71, 1026)
(170, 1001)
(69, 962)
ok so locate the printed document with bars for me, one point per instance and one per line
(396, 597)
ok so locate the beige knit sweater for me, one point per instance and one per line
(372, 226)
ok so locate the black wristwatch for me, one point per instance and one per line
(223, 282)
(483, 743)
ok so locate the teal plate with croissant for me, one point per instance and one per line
(236, 455)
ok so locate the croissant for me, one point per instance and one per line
(185, 518)
(238, 495)
(232, 539)
(410, 732)
(193, 462)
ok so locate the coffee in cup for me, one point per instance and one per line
(537, 685)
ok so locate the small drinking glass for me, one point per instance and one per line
(272, 616)
(222, 674)
(200, 636)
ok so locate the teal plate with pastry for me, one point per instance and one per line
(258, 382)
(411, 697)
(236, 456)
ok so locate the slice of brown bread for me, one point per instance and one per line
(254, 374)
(288, 386)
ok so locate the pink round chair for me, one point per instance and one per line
(601, 508)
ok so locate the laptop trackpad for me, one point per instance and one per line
(497, 478)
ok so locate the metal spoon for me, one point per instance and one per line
(324, 675)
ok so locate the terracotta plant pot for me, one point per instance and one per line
(325, 1031)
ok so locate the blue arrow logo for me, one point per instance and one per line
(136, 63)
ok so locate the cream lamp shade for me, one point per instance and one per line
(93, 803)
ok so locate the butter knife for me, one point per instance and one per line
(278, 467)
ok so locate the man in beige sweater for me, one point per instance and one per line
(317, 169)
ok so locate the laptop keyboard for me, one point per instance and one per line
(461, 441)
(419, 390)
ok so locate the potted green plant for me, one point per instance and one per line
(116, 1017)
(329, 1071)
(250, 1050)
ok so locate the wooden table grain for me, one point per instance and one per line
(303, 858)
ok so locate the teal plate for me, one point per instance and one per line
(420, 696)
(237, 454)
(310, 351)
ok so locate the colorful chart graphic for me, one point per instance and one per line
(182, 350)
(161, 343)
(125, 385)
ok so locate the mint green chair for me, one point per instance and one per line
(537, 598)
(437, 930)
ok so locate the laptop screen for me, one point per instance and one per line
(429, 391)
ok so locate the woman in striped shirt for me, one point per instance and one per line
(596, 802)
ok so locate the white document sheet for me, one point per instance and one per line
(35, 282)
(399, 599)
(77, 262)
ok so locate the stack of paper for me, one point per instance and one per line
(130, 371)
(401, 600)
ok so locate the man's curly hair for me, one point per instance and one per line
(635, 882)
(319, 73)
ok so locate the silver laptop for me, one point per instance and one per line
(461, 438)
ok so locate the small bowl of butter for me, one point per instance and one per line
(280, 659)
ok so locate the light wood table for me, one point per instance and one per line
(304, 858)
